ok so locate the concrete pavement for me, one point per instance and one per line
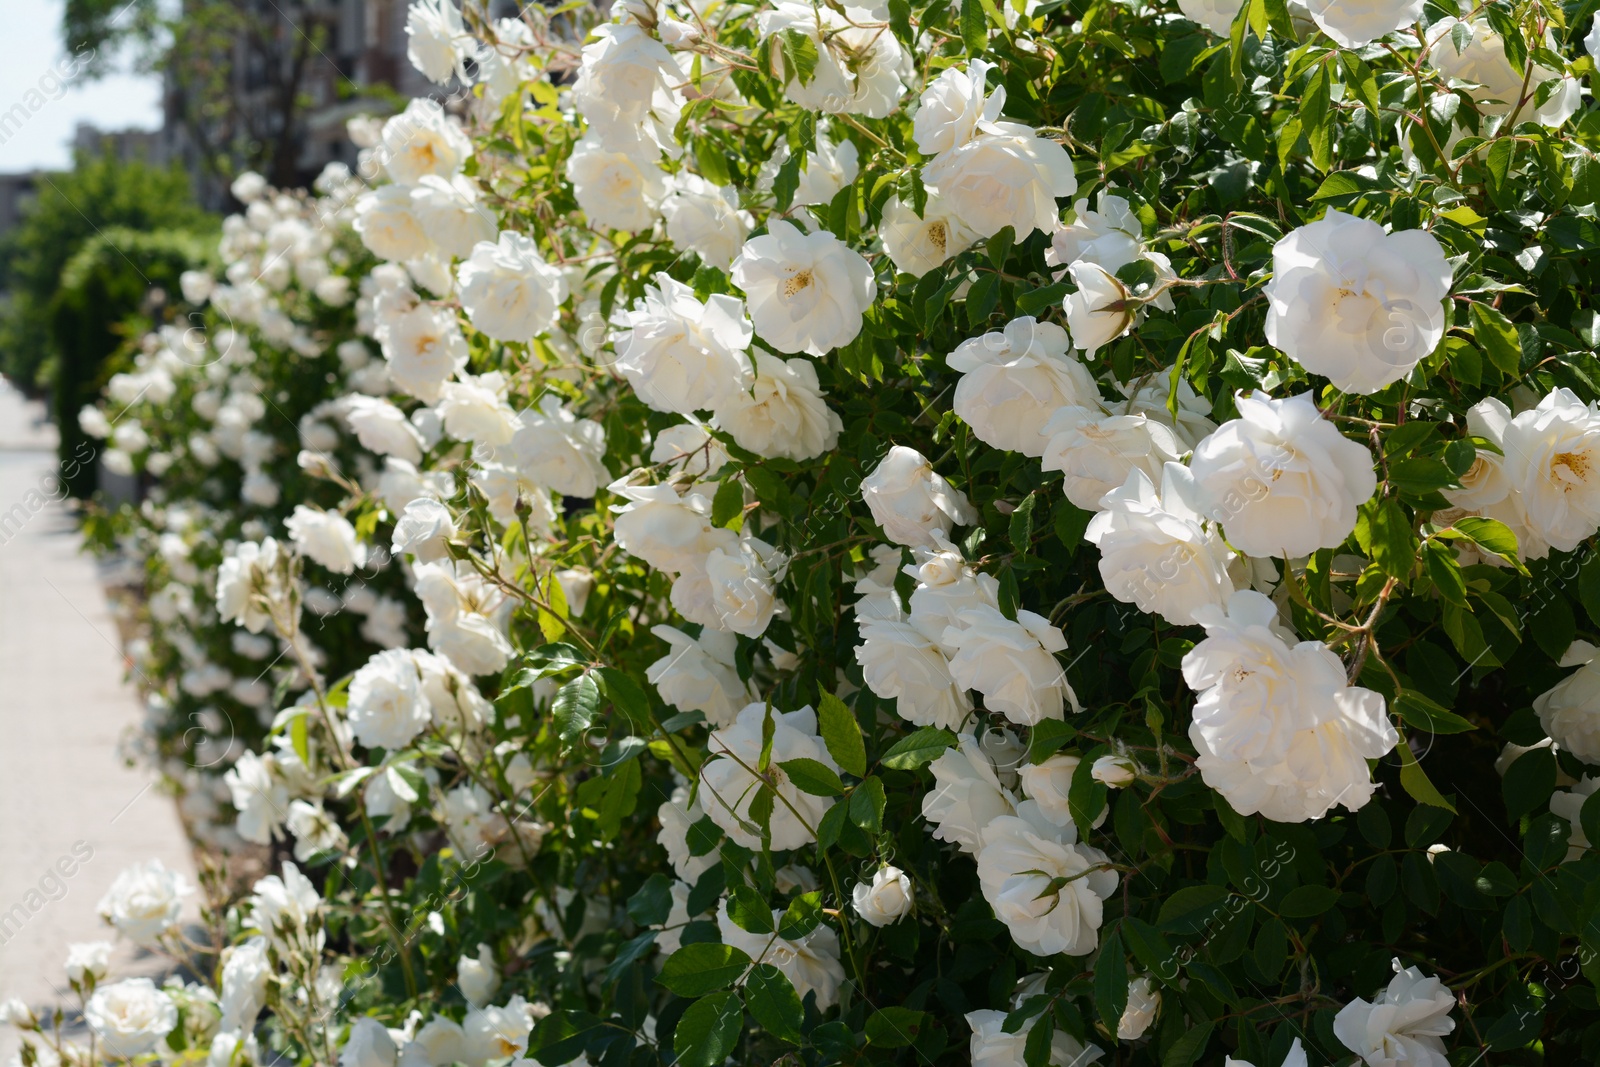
(68, 802)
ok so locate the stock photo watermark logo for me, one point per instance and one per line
(50, 87)
(51, 489)
(51, 886)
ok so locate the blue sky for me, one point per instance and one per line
(30, 56)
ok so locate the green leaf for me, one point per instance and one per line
(842, 734)
(924, 745)
(1111, 979)
(1589, 817)
(999, 246)
(1491, 535)
(982, 299)
(1303, 902)
(809, 776)
(1038, 1047)
(1415, 780)
(1148, 945)
(1528, 782)
(895, 1027)
(749, 911)
(1445, 572)
(698, 969)
(1187, 1049)
(1498, 339)
(1384, 532)
(728, 504)
(1342, 183)
(773, 1001)
(651, 905)
(1189, 909)
(799, 56)
(625, 694)
(708, 1031)
(1589, 588)
(801, 917)
(974, 27)
(867, 802)
(1022, 525)
(786, 182)
(1424, 714)
(574, 707)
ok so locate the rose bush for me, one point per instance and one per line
(1018, 532)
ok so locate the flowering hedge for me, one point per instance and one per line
(1034, 532)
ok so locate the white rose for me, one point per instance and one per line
(1215, 15)
(806, 292)
(249, 187)
(401, 483)
(452, 698)
(1359, 306)
(130, 1017)
(144, 902)
(1013, 380)
(1494, 83)
(424, 530)
(626, 88)
(861, 67)
(1552, 458)
(474, 409)
(679, 354)
(197, 286)
(88, 961)
(315, 831)
(886, 899)
(1357, 23)
(1404, 1026)
(1570, 711)
(827, 169)
(811, 963)
(1006, 176)
(728, 786)
(1111, 235)
(690, 447)
(424, 348)
(900, 663)
(1096, 452)
(246, 969)
(327, 538)
(991, 1046)
(1281, 479)
(1100, 311)
(478, 978)
(1148, 396)
(494, 1033)
(1114, 772)
(1048, 889)
(676, 816)
(556, 448)
(783, 414)
(439, 1042)
(669, 936)
(369, 1045)
(1144, 1000)
(660, 527)
(913, 502)
(383, 428)
(287, 910)
(698, 674)
(388, 224)
(450, 214)
(946, 586)
(508, 290)
(1485, 484)
(953, 106)
(967, 794)
(1568, 804)
(1156, 551)
(616, 190)
(706, 219)
(387, 708)
(1049, 784)
(1012, 663)
(740, 578)
(918, 245)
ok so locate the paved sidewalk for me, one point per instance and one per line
(64, 792)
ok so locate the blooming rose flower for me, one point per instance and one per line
(1496, 85)
(1096, 452)
(728, 784)
(508, 290)
(1110, 235)
(1357, 23)
(811, 963)
(1355, 304)
(369, 1045)
(131, 1016)
(1049, 784)
(1114, 772)
(423, 140)
(913, 502)
(466, 616)
(451, 215)
(918, 245)
(806, 292)
(953, 106)
(1485, 484)
(1404, 1026)
(1570, 711)
(861, 67)
(901, 663)
(682, 355)
(1048, 889)
(387, 222)
(783, 414)
(827, 169)
(991, 1046)
(287, 910)
(616, 190)
(1552, 457)
(88, 961)
(478, 977)
(496, 1032)
(424, 348)
(946, 586)
(967, 794)
(1011, 663)
(1144, 1000)
(1280, 479)
(706, 219)
(676, 816)
(1568, 804)
(698, 674)
(739, 578)
(438, 40)
(626, 89)
(245, 971)
(387, 708)
(884, 900)
(327, 538)
(1100, 311)
(1155, 549)
(1013, 380)
(667, 531)
(314, 830)
(424, 530)
(556, 448)
(383, 428)
(1005, 176)
(475, 409)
